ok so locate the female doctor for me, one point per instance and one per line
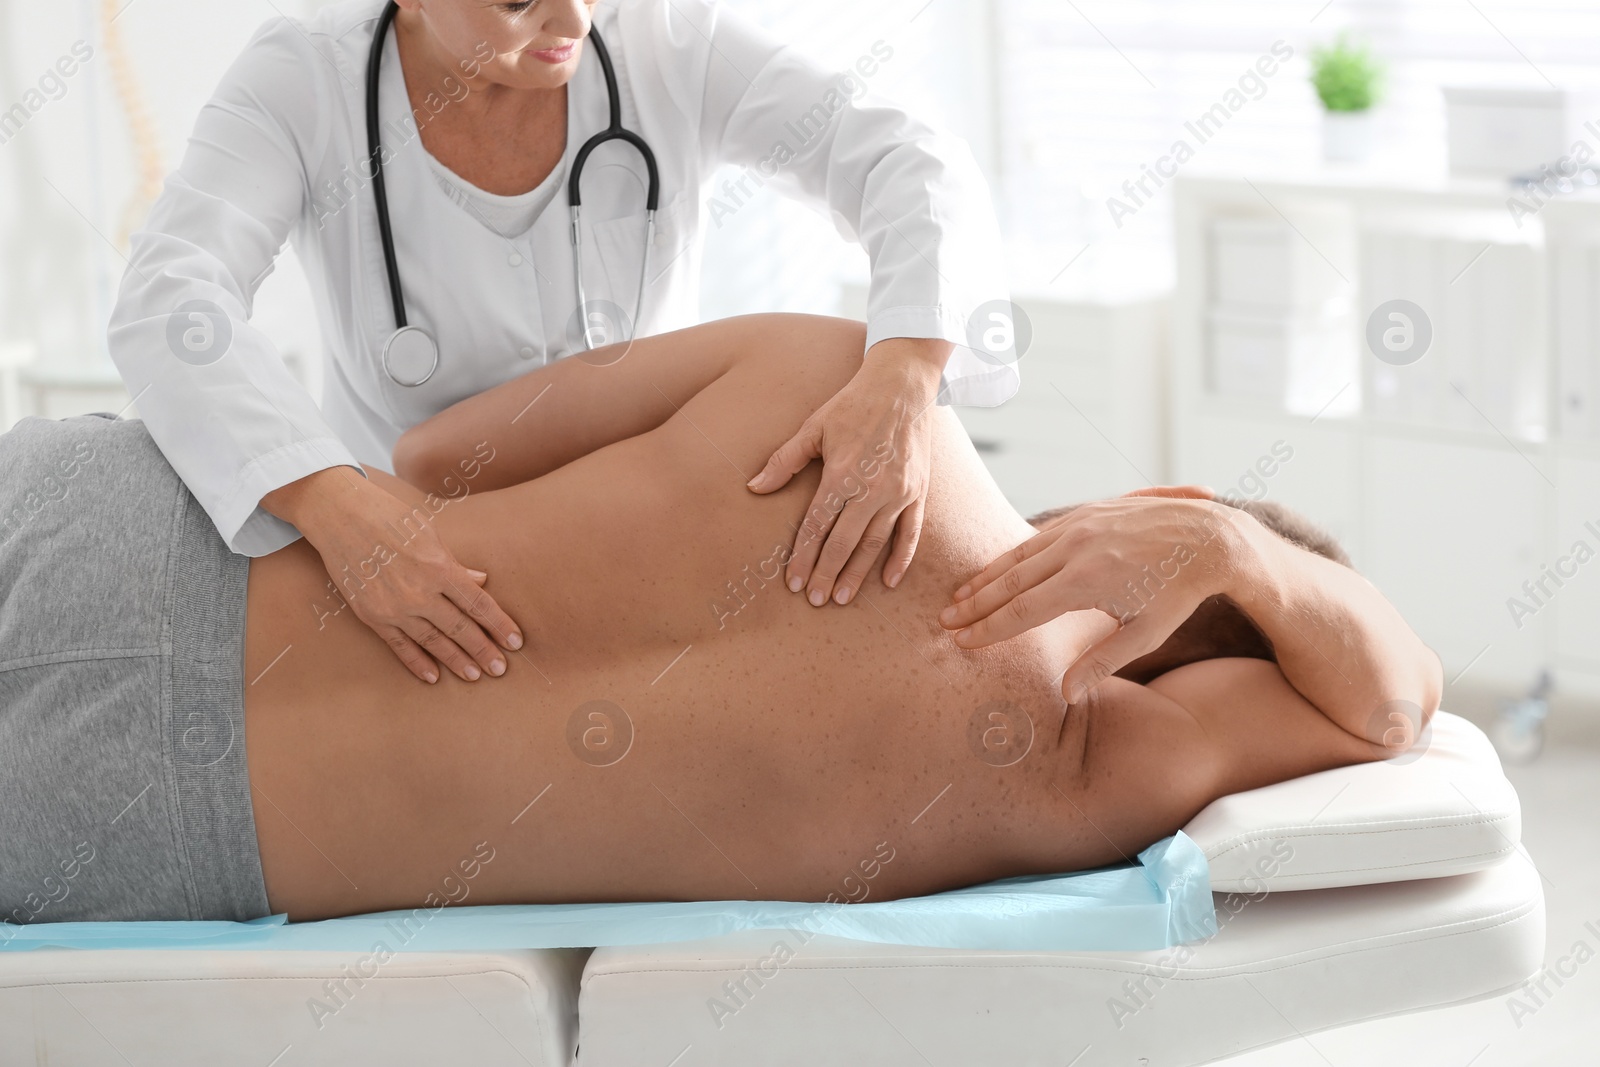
(482, 112)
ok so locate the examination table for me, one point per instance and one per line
(1343, 896)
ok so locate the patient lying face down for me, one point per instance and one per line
(681, 726)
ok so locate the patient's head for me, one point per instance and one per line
(1217, 628)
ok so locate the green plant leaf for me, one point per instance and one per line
(1346, 76)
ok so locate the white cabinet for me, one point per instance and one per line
(1450, 531)
(1261, 263)
(1572, 589)
(1483, 302)
(1453, 479)
(1318, 479)
(1574, 236)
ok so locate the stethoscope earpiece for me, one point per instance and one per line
(411, 355)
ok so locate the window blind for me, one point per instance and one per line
(1093, 90)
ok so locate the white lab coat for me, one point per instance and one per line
(279, 152)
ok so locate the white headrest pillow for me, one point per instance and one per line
(1443, 808)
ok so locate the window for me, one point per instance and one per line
(776, 255)
(1066, 100)
(1094, 90)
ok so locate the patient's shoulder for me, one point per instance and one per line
(1269, 729)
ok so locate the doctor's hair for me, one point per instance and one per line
(1217, 628)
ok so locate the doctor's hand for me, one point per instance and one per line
(412, 593)
(1147, 559)
(877, 458)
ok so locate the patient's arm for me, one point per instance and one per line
(552, 416)
(1336, 639)
(1350, 684)
(1151, 563)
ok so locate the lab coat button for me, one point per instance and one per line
(526, 352)
(515, 259)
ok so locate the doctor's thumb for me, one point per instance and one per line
(790, 459)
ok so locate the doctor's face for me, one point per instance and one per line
(526, 44)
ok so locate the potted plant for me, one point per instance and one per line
(1346, 78)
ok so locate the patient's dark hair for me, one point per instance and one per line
(1217, 628)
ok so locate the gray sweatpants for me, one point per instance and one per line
(123, 788)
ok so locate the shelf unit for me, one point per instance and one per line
(1448, 513)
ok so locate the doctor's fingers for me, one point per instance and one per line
(1003, 563)
(1190, 492)
(1137, 636)
(875, 539)
(455, 641)
(851, 524)
(908, 533)
(409, 653)
(821, 515)
(1027, 595)
(790, 458)
(482, 608)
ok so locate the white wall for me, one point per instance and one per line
(70, 179)
(939, 66)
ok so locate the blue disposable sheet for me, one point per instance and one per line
(1161, 900)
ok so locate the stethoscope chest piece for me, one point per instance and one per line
(410, 356)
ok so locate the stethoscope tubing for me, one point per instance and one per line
(614, 131)
(380, 192)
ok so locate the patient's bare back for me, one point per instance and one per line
(680, 725)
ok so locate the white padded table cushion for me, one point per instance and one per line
(1284, 964)
(107, 1008)
(1445, 807)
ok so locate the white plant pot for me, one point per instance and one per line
(1346, 136)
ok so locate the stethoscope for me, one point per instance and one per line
(412, 348)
